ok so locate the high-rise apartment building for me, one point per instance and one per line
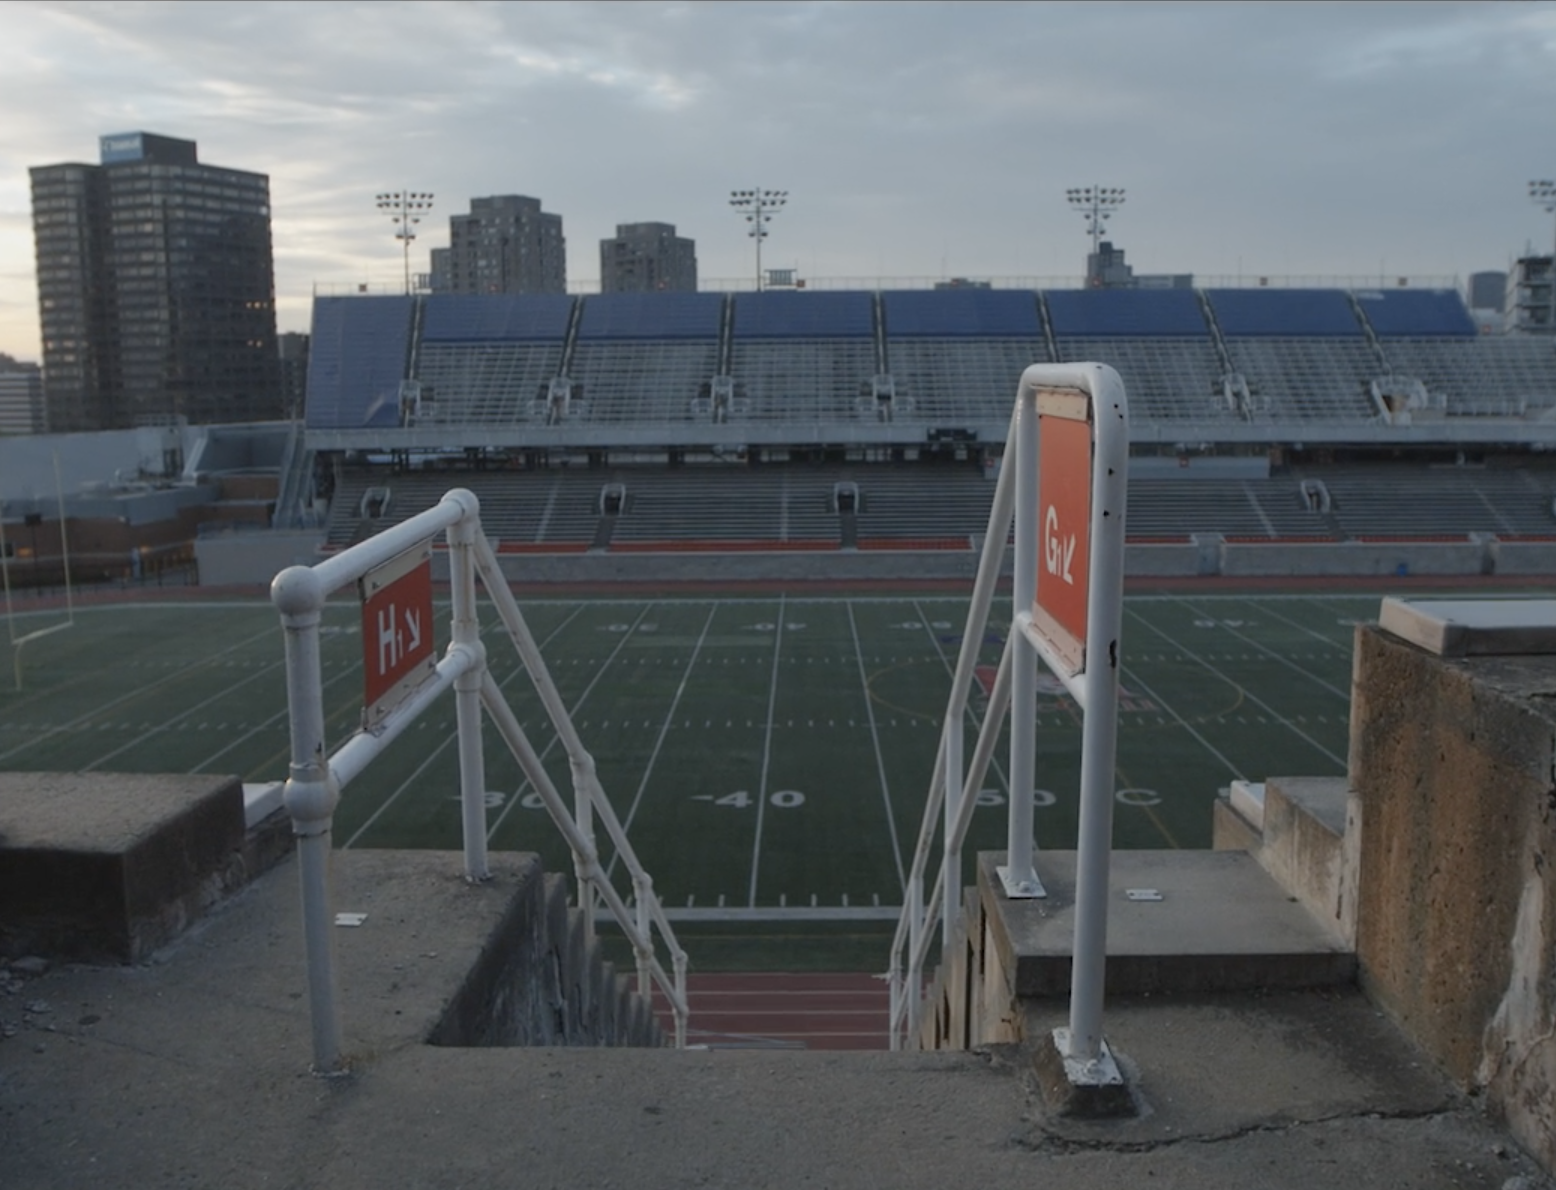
(506, 244)
(156, 288)
(645, 257)
(21, 397)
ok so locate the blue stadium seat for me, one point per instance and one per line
(651, 316)
(1416, 313)
(961, 313)
(1284, 313)
(356, 361)
(1125, 313)
(495, 318)
(787, 314)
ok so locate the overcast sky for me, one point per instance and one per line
(914, 140)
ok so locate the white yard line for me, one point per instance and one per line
(1289, 664)
(605, 665)
(1246, 693)
(875, 739)
(1139, 683)
(447, 740)
(767, 752)
(279, 716)
(137, 692)
(664, 730)
(1328, 640)
(167, 724)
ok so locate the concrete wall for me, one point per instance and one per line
(1453, 763)
(231, 559)
(1239, 559)
(545, 982)
(1524, 557)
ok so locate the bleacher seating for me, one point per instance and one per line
(644, 357)
(556, 377)
(1405, 500)
(1283, 313)
(1416, 313)
(356, 360)
(1125, 313)
(1269, 508)
(485, 360)
(955, 355)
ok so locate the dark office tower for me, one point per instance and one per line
(156, 288)
(506, 244)
(647, 257)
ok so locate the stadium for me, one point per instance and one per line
(742, 529)
(746, 526)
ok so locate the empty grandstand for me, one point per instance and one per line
(833, 420)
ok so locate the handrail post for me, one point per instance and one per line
(1099, 741)
(643, 892)
(585, 869)
(951, 859)
(1019, 875)
(311, 797)
(914, 990)
(466, 631)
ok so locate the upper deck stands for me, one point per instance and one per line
(485, 359)
(616, 316)
(1125, 314)
(1416, 313)
(1284, 313)
(961, 313)
(956, 354)
(356, 361)
(495, 318)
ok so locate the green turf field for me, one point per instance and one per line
(767, 753)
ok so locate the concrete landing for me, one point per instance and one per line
(1221, 924)
(191, 1070)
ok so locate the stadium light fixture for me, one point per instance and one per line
(758, 206)
(405, 209)
(1542, 192)
(1096, 203)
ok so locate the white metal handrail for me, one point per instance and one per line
(953, 793)
(316, 778)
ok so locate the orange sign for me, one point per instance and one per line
(1064, 449)
(396, 631)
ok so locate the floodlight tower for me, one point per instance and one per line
(1542, 192)
(1096, 203)
(758, 206)
(405, 209)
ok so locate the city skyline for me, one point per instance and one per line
(927, 140)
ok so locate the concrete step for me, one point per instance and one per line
(1221, 923)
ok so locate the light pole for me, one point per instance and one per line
(1542, 192)
(405, 209)
(758, 206)
(1096, 203)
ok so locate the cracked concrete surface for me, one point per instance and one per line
(194, 1074)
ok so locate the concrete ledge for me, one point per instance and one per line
(1223, 924)
(108, 867)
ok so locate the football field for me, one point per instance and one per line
(770, 756)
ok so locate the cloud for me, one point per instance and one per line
(915, 139)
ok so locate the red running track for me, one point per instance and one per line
(783, 1010)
